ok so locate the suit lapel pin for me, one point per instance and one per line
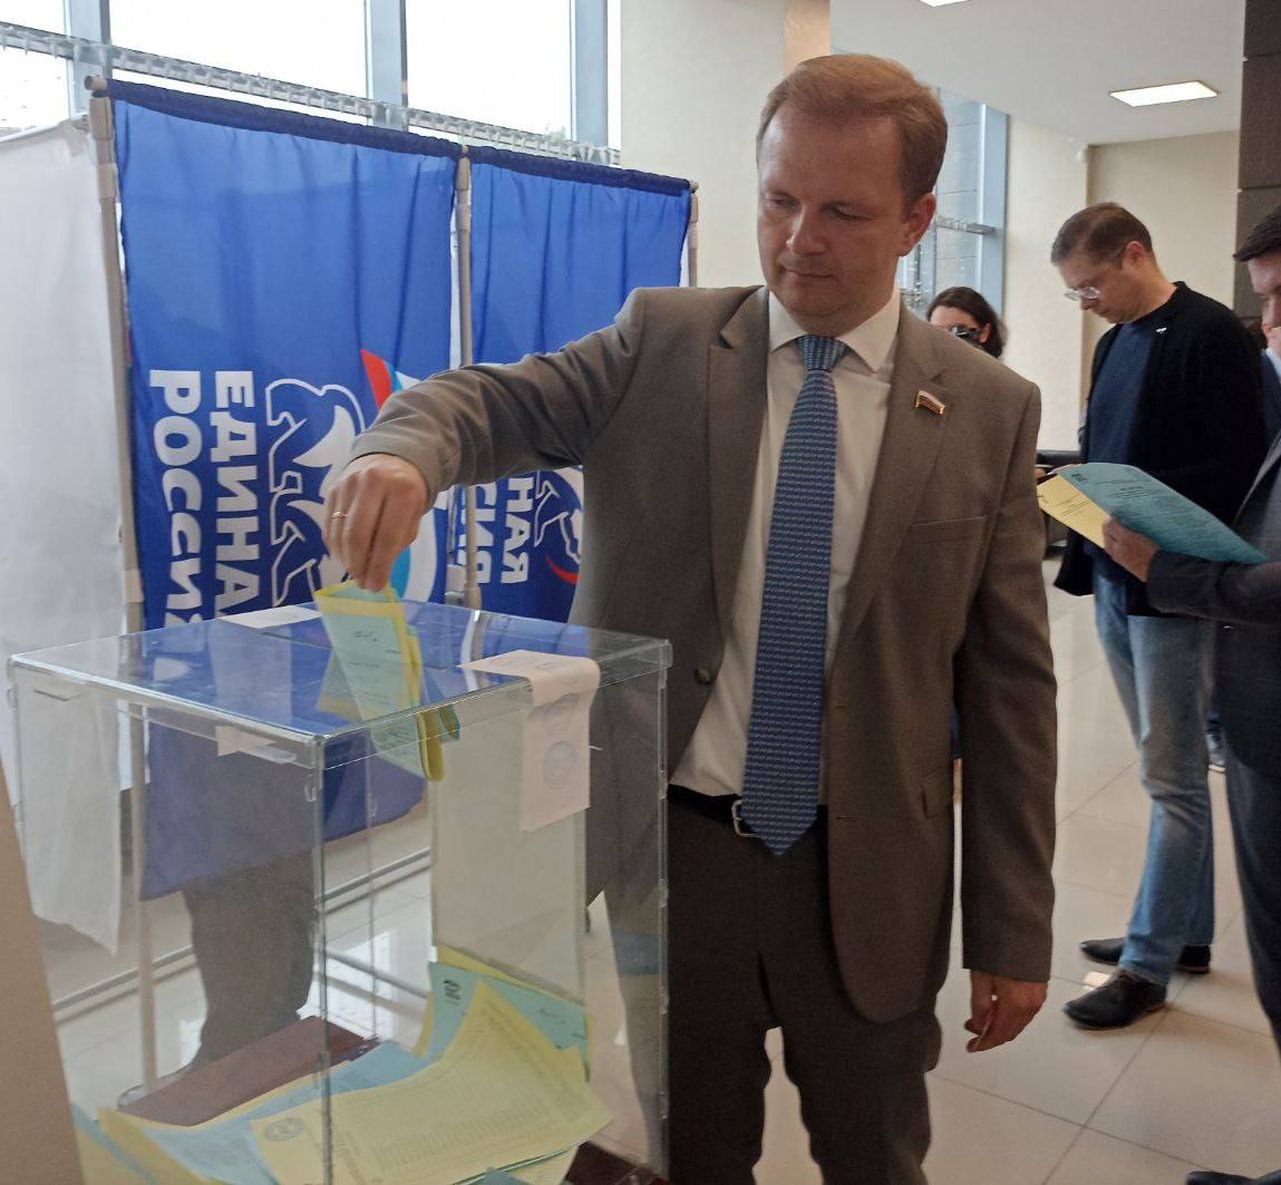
(930, 403)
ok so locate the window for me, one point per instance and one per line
(614, 68)
(35, 14)
(196, 88)
(33, 89)
(318, 43)
(502, 62)
(965, 245)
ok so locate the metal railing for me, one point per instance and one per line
(105, 59)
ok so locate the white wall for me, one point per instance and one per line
(695, 74)
(1048, 182)
(1185, 191)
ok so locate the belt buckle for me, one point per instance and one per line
(741, 826)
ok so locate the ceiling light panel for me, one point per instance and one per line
(1174, 92)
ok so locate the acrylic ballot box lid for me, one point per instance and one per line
(398, 857)
(220, 671)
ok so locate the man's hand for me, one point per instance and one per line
(1000, 1009)
(1131, 550)
(372, 514)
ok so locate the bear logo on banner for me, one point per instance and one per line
(300, 469)
(558, 523)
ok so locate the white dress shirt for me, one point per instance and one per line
(717, 753)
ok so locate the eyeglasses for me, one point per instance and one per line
(1089, 292)
(966, 333)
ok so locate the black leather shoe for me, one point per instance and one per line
(1202, 1177)
(1121, 1001)
(1194, 960)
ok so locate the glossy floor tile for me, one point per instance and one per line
(1201, 1091)
(980, 1139)
(1085, 1065)
(1096, 1159)
(1227, 995)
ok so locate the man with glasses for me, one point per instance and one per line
(1175, 392)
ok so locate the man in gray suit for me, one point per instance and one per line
(1246, 600)
(828, 507)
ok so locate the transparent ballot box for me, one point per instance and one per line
(360, 892)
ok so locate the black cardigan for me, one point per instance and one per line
(1198, 426)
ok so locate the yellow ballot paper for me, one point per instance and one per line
(131, 1134)
(501, 1096)
(104, 1162)
(547, 1172)
(376, 671)
(454, 975)
(1063, 501)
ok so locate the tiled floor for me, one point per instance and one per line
(1197, 1085)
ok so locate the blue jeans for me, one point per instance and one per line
(1161, 667)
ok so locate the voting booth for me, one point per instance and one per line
(354, 891)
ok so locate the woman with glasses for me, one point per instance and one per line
(965, 313)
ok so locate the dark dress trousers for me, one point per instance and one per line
(1246, 601)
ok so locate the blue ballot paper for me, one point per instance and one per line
(226, 1150)
(1175, 523)
(562, 1022)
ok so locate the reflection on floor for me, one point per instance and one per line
(1197, 1085)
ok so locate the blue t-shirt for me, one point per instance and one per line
(1114, 402)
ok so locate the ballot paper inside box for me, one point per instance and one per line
(351, 891)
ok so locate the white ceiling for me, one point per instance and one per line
(1053, 62)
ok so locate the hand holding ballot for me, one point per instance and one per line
(1083, 497)
(1131, 550)
(372, 514)
(376, 671)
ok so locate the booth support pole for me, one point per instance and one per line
(467, 355)
(103, 132)
(691, 239)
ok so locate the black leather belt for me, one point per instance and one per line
(723, 808)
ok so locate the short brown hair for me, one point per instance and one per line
(1100, 232)
(1264, 239)
(848, 86)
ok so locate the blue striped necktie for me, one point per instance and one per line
(784, 738)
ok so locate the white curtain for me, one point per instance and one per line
(60, 556)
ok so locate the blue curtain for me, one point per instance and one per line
(285, 274)
(556, 249)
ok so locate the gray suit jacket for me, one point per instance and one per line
(663, 409)
(1247, 599)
